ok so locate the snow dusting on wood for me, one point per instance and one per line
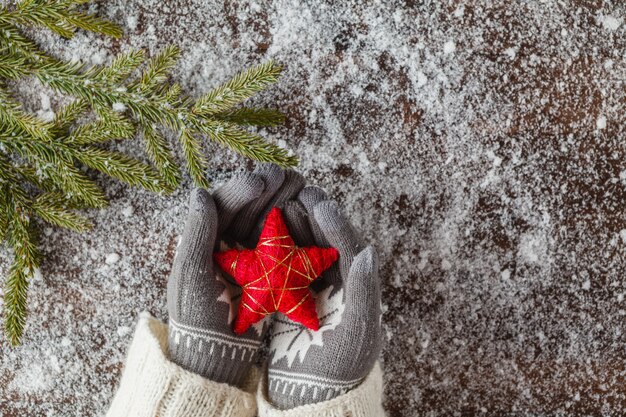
(481, 146)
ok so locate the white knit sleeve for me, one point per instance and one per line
(363, 401)
(153, 386)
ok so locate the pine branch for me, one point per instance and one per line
(31, 175)
(25, 262)
(159, 68)
(11, 115)
(252, 116)
(12, 40)
(120, 166)
(4, 215)
(121, 67)
(240, 88)
(68, 115)
(58, 16)
(196, 161)
(161, 156)
(55, 172)
(4, 219)
(172, 94)
(79, 20)
(12, 65)
(157, 109)
(77, 187)
(113, 127)
(42, 164)
(247, 144)
(21, 238)
(55, 167)
(5, 208)
(70, 78)
(53, 208)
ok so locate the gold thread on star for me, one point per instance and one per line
(295, 268)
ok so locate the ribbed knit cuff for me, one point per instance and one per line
(363, 401)
(152, 385)
(215, 356)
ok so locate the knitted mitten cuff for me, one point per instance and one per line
(152, 385)
(363, 401)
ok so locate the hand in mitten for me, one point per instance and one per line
(309, 366)
(201, 303)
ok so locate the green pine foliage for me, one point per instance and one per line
(42, 163)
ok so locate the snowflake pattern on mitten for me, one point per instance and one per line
(294, 340)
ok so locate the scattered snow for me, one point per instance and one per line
(446, 265)
(37, 275)
(128, 210)
(123, 331)
(610, 22)
(45, 112)
(449, 47)
(421, 79)
(33, 378)
(477, 178)
(131, 22)
(510, 52)
(112, 258)
(98, 57)
(601, 122)
(45, 101)
(119, 107)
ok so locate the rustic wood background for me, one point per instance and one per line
(479, 145)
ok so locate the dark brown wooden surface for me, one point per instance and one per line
(480, 171)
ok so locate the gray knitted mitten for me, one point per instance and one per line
(281, 186)
(312, 366)
(202, 302)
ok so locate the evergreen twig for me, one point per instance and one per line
(42, 163)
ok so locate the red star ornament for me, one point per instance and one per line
(275, 276)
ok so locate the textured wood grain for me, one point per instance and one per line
(464, 138)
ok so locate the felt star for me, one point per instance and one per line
(275, 276)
